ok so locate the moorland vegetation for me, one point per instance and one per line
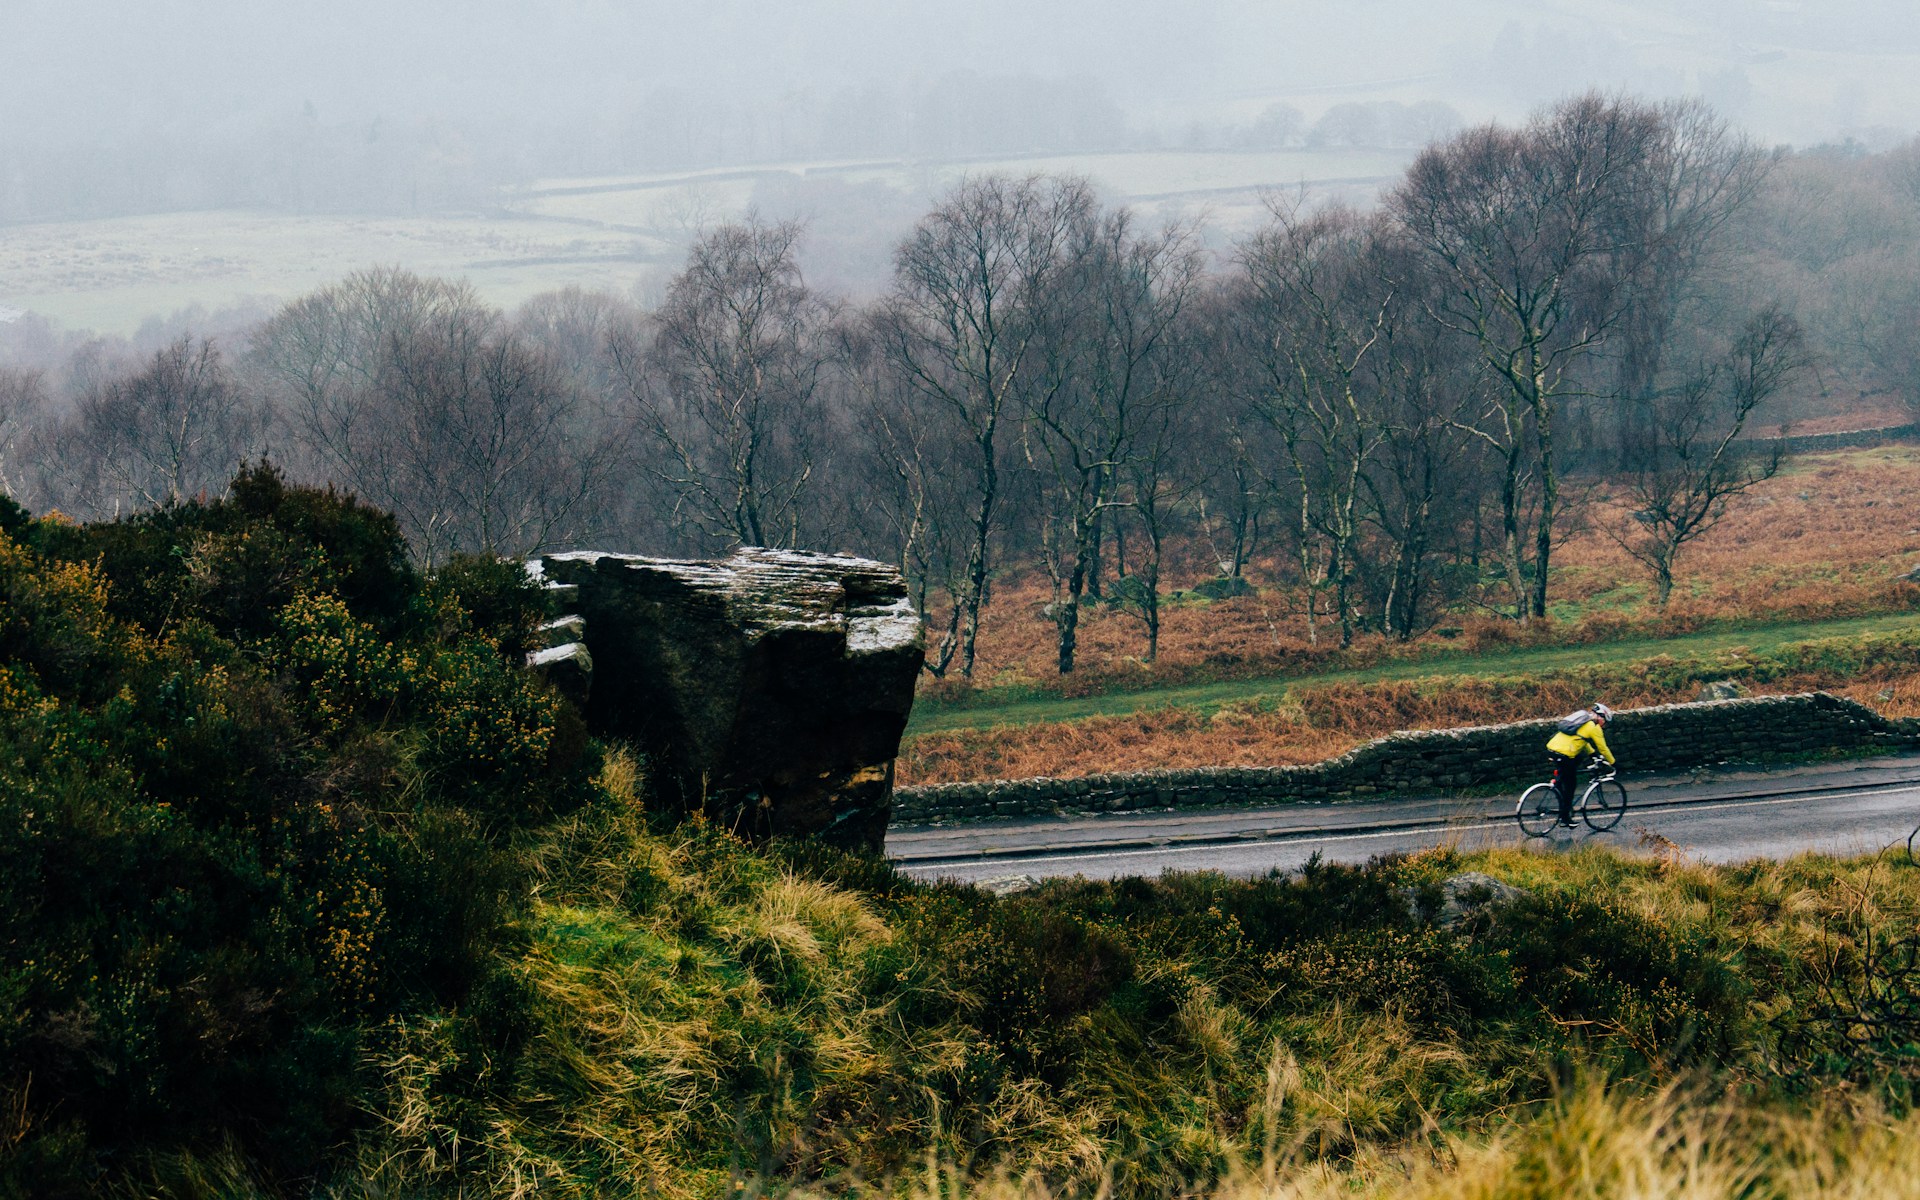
(1803, 586)
(308, 889)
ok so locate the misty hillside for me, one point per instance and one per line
(366, 108)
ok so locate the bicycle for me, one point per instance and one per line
(1601, 806)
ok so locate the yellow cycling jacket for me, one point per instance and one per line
(1588, 739)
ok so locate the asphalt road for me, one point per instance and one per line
(1855, 807)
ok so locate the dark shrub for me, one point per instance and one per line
(255, 799)
(234, 562)
(501, 602)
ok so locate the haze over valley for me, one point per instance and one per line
(215, 155)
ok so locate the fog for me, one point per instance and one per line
(184, 129)
(208, 102)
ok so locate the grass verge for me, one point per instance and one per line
(984, 712)
(677, 1014)
(1313, 720)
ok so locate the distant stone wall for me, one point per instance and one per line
(1671, 737)
(1809, 443)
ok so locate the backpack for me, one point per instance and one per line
(1572, 722)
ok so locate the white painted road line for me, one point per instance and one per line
(1015, 859)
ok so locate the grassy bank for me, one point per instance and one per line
(307, 890)
(665, 1011)
(695, 1018)
(1758, 639)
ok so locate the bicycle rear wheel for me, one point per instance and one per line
(1604, 804)
(1538, 810)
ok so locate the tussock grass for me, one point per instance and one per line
(680, 1015)
(1591, 1143)
(684, 1016)
(691, 1002)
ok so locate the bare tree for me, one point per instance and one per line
(411, 393)
(1165, 471)
(1696, 467)
(1228, 457)
(959, 324)
(577, 329)
(1698, 176)
(1527, 226)
(1107, 319)
(319, 360)
(1872, 310)
(472, 451)
(1318, 306)
(911, 479)
(176, 429)
(23, 405)
(729, 385)
(1423, 483)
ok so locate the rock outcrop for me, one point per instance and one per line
(768, 690)
(1462, 897)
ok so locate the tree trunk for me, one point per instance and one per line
(1663, 576)
(1066, 622)
(1404, 602)
(1150, 594)
(1337, 567)
(1510, 531)
(1095, 557)
(1066, 618)
(949, 642)
(976, 584)
(1549, 501)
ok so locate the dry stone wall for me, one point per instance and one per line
(1671, 737)
(1810, 443)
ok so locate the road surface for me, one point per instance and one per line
(1854, 807)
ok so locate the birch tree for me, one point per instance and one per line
(959, 325)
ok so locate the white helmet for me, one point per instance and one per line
(1602, 711)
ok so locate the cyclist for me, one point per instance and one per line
(1581, 735)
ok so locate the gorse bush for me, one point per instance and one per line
(259, 783)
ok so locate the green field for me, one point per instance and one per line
(1025, 709)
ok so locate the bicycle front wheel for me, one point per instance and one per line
(1604, 804)
(1538, 810)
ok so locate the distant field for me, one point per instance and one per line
(1216, 179)
(610, 233)
(111, 275)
